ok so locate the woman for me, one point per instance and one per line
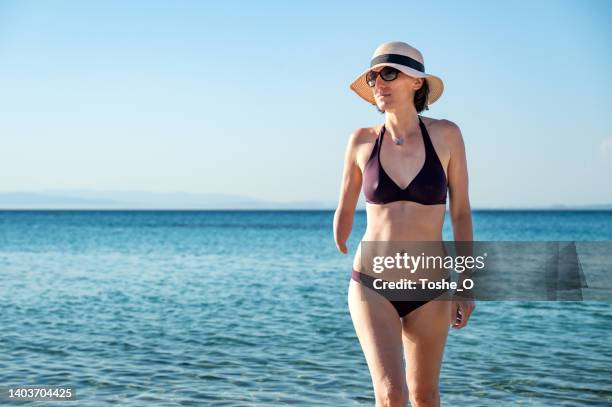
(405, 167)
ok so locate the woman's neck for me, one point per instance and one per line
(403, 125)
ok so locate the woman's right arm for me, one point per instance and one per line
(349, 194)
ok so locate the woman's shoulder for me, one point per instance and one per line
(367, 133)
(364, 136)
(442, 129)
(442, 124)
(361, 142)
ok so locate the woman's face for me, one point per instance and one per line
(399, 91)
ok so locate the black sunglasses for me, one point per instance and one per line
(387, 73)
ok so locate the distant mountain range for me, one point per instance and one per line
(87, 199)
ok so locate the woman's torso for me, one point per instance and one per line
(403, 220)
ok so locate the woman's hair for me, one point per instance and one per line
(420, 98)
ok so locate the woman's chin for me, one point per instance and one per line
(381, 104)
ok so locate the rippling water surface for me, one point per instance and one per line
(237, 308)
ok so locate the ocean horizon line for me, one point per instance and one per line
(140, 200)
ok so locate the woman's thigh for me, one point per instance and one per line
(379, 330)
(424, 334)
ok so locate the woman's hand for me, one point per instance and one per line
(461, 309)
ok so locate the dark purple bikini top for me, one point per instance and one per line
(428, 187)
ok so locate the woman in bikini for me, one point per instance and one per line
(405, 167)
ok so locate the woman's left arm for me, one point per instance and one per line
(460, 213)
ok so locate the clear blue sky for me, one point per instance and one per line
(252, 98)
